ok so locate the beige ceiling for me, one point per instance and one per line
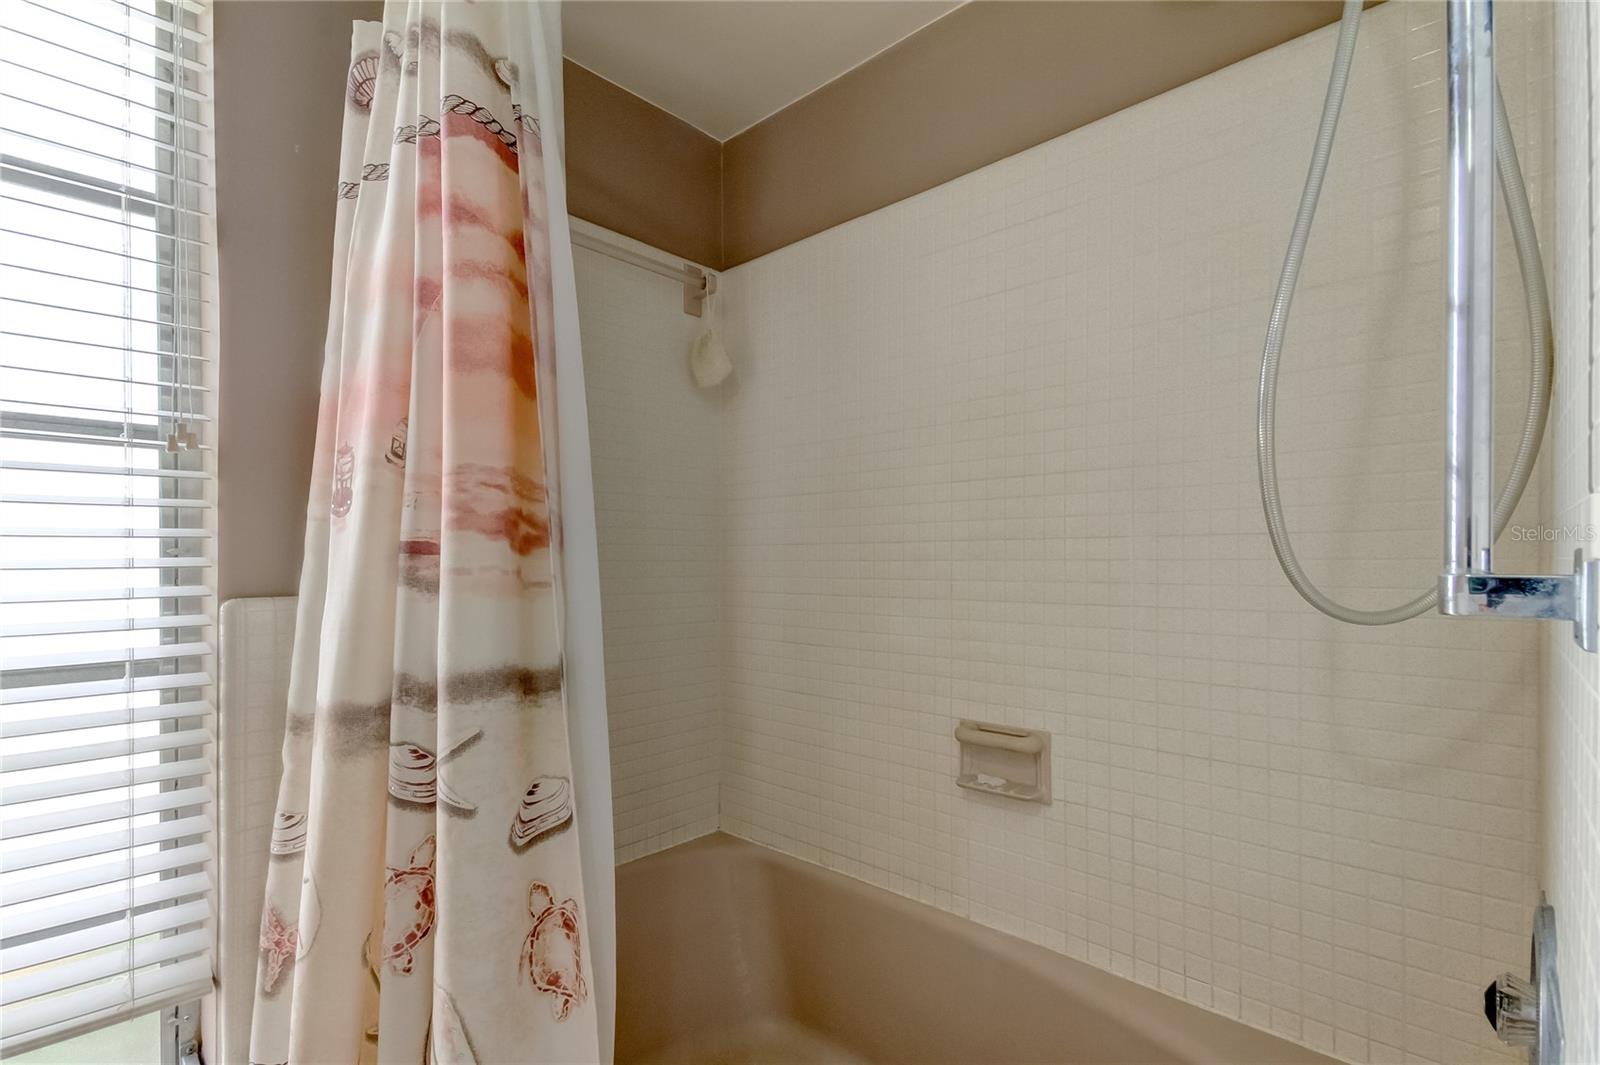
(724, 65)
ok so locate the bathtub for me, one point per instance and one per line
(732, 953)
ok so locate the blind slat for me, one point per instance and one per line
(87, 846)
(97, 967)
(89, 532)
(109, 471)
(89, 752)
(57, 371)
(39, 1022)
(124, 866)
(104, 501)
(127, 197)
(14, 727)
(53, 692)
(120, 99)
(89, 783)
(27, 955)
(40, 305)
(46, 565)
(120, 440)
(120, 350)
(123, 285)
(161, 144)
(121, 68)
(77, 626)
(24, 921)
(70, 595)
(155, 653)
(114, 253)
(154, 49)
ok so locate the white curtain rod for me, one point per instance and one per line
(697, 283)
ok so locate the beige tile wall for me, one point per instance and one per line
(989, 454)
(1571, 733)
(654, 442)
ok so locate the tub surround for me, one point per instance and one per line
(988, 453)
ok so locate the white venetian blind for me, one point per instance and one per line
(106, 614)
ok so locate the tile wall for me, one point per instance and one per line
(653, 436)
(988, 454)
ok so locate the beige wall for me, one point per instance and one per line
(984, 82)
(279, 106)
(989, 454)
(635, 169)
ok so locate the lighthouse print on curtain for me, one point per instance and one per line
(425, 898)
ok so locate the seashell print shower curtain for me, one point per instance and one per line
(426, 895)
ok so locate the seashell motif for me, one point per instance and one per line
(362, 84)
(545, 807)
(448, 1041)
(279, 943)
(413, 773)
(288, 834)
(552, 954)
(310, 916)
(409, 907)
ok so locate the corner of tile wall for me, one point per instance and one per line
(653, 437)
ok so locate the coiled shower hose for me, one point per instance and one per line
(1533, 285)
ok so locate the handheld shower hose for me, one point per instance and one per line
(1515, 194)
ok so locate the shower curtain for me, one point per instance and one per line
(440, 858)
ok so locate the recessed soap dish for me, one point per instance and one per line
(1004, 760)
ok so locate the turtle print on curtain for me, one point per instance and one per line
(424, 891)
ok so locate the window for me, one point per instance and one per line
(106, 606)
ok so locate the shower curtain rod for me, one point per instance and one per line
(697, 283)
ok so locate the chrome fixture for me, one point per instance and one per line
(1527, 1013)
(1469, 587)
(1481, 146)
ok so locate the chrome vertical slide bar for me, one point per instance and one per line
(1469, 458)
(1468, 586)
